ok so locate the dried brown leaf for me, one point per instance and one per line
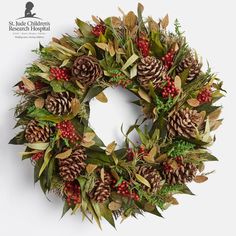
(178, 82)
(144, 95)
(102, 97)
(142, 180)
(200, 178)
(102, 174)
(39, 103)
(193, 102)
(130, 20)
(215, 114)
(28, 84)
(90, 168)
(110, 148)
(75, 106)
(64, 155)
(114, 206)
(165, 21)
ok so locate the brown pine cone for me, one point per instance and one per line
(191, 63)
(176, 171)
(71, 167)
(152, 176)
(183, 123)
(86, 70)
(150, 69)
(58, 103)
(102, 189)
(36, 133)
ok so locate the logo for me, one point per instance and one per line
(29, 25)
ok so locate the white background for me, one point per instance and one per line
(24, 210)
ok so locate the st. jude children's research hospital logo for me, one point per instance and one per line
(29, 25)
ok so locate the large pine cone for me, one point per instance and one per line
(36, 133)
(191, 63)
(102, 189)
(58, 103)
(150, 69)
(86, 70)
(176, 171)
(71, 167)
(152, 176)
(183, 123)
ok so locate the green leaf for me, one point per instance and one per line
(90, 47)
(50, 171)
(130, 61)
(66, 208)
(93, 92)
(142, 136)
(142, 180)
(107, 214)
(38, 146)
(46, 158)
(57, 86)
(156, 46)
(84, 27)
(208, 157)
(18, 139)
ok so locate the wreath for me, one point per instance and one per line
(175, 95)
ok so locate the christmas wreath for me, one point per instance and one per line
(175, 95)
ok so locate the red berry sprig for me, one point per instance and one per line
(204, 96)
(72, 192)
(168, 59)
(59, 73)
(37, 156)
(98, 30)
(124, 190)
(143, 46)
(169, 89)
(68, 131)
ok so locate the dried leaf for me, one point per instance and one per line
(173, 201)
(75, 106)
(38, 146)
(88, 144)
(153, 25)
(215, 114)
(28, 84)
(114, 206)
(193, 102)
(64, 155)
(102, 174)
(140, 8)
(103, 46)
(162, 158)
(110, 148)
(144, 95)
(130, 20)
(216, 125)
(96, 20)
(178, 82)
(39, 103)
(116, 22)
(102, 97)
(165, 22)
(130, 61)
(88, 136)
(151, 155)
(90, 168)
(142, 180)
(149, 207)
(200, 178)
(111, 49)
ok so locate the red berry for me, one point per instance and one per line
(98, 30)
(205, 96)
(143, 45)
(37, 156)
(59, 73)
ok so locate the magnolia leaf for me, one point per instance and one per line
(90, 168)
(178, 82)
(75, 106)
(64, 155)
(130, 20)
(88, 144)
(130, 61)
(28, 84)
(142, 180)
(193, 102)
(103, 46)
(215, 114)
(102, 97)
(165, 22)
(110, 148)
(39, 103)
(144, 95)
(47, 156)
(114, 206)
(200, 178)
(38, 146)
(102, 174)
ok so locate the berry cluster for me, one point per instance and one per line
(143, 45)
(37, 156)
(169, 89)
(72, 192)
(204, 96)
(98, 30)
(68, 131)
(124, 190)
(168, 59)
(59, 73)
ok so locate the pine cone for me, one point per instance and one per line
(71, 167)
(58, 103)
(176, 171)
(183, 123)
(36, 133)
(191, 63)
(150, 69)
(102, 189)
(152, 176)
(86, 70)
